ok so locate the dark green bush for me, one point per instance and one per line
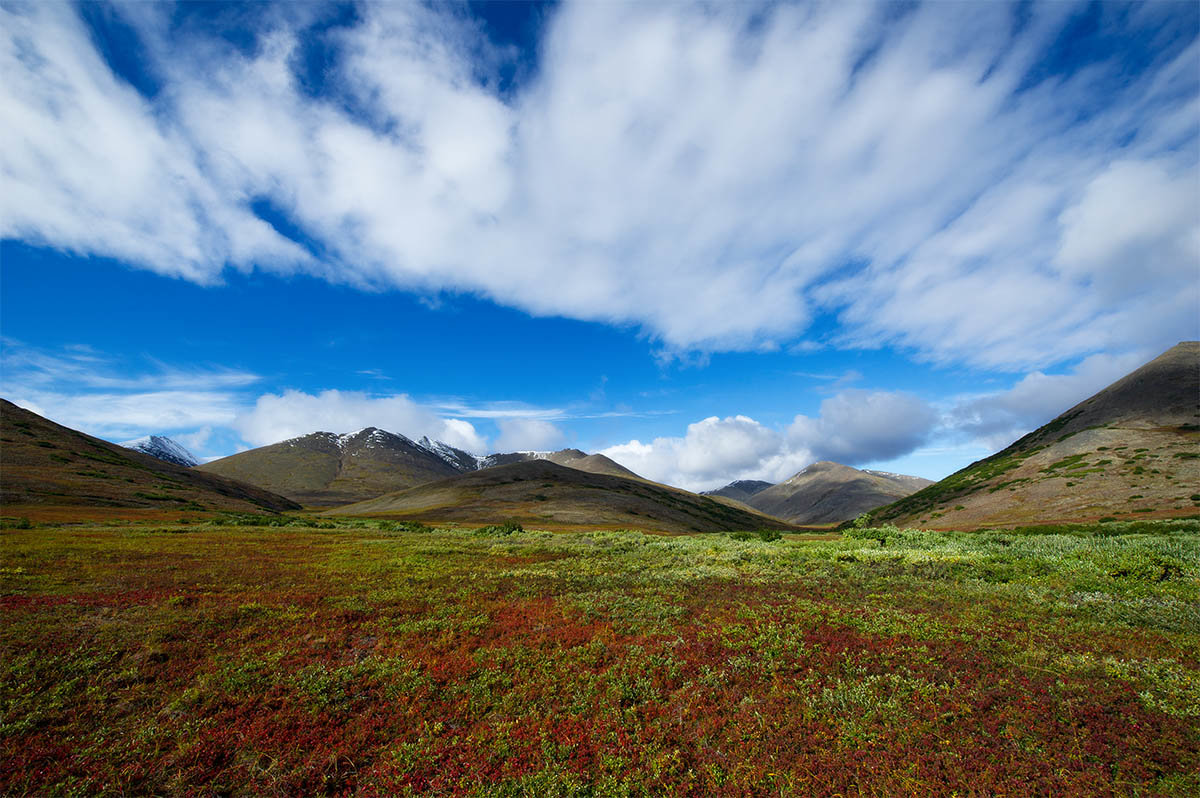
(499, 530)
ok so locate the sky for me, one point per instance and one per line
(712, 241)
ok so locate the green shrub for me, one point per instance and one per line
(499, 530)
(769, 535)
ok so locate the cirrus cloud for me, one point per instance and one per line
(937, 180)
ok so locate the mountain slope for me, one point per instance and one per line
(541, 492)
(325, 470)
(828, 492)
(740, 490)
(43, 464)
(572, 458)
(1132, 449)
(164, 449)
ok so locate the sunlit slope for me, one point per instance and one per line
(828, 492)
(1132, 450)
(542, 492)
(325, 470)
(44, 464)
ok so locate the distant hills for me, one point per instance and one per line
(325, 470)
(540, 491)
(328, 470)
(740, 490)
(1131, 451)
(163, 448)
(46, 465)
(826, 492)
(572, 458)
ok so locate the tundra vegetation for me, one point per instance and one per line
(294, 656)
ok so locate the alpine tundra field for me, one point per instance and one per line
(288, 656)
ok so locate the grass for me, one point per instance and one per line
(384, 658)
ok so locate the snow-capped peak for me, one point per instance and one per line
(463, 461)
(164, 449)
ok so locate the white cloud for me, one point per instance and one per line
(125, 416)
(89, 166)
(715, 180)
(527, 434)
(854, 427)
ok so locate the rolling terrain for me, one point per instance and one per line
(1132, 450)
(326, 470)
(44, 465)
(543, 493)
(828, 492)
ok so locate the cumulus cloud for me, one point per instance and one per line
(853, 427)
(527, 434)
(861, 426)
(716, 175)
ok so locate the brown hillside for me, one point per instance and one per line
(828, 492)
(1132, 450)
(327, 470)
(44, 465)
(540, 492)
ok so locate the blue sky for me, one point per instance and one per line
(714, 242)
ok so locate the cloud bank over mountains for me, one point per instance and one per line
(965, 182)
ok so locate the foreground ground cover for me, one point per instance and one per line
(372, 658)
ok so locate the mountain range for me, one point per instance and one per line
(1132, 450)
(51, 468)
(539, 491)
(324, 469)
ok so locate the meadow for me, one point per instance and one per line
(382, 658)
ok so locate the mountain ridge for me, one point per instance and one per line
(48, 465)
(541, 492)
(1131, 449)
(163, 448)
(828, 492)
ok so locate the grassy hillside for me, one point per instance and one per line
(540, 492)
(367, 660)
(326, 470)
(50, 471)
(830, 492)
(1132, 450)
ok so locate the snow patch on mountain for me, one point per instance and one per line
(454, 457)
(164, 449)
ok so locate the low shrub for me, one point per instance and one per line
(499, 530)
